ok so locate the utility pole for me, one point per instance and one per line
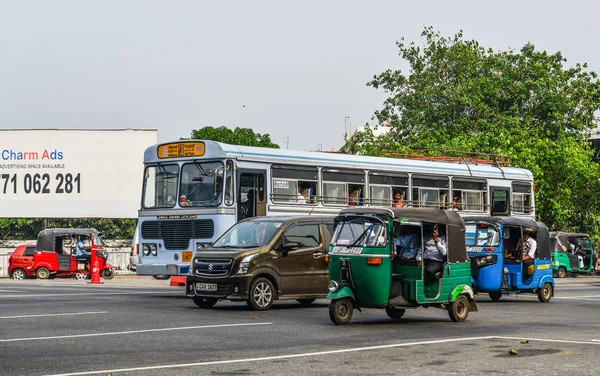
(287, 142)
(346, 125)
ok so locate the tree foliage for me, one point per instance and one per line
(239, 136)
(528, 104)
(28, 228)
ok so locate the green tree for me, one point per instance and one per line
(528, 104)
(239, 136)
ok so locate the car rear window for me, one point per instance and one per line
(29, 251)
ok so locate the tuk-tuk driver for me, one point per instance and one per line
(80, 251)
(434, 256)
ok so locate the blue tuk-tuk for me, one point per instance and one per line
(495, 247)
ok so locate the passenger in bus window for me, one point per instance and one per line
(398, 201)
(454, 206)
(300, 197)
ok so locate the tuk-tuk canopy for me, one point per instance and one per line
(542, 235)
(563, 237)
(455, 226)
(46, 238)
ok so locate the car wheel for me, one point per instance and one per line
(108, 273)
(262, 294)
(495, 295)
(204, 302)
(395, 314)
(18, 274)
(459, 309)
(562, 272)
(43, 273)
(545, 293)
(305, 302)
(340, 311)
(161, 277)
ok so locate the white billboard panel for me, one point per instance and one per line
(57, 173)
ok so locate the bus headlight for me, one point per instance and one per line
(146, 249)
(244, 267)
(333, 286)
(153, 250)
(199, 246)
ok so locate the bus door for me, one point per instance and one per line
(500, 201)
(252, 196)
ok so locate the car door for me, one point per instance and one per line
(298, 267)
(322, 266)
(27, 257)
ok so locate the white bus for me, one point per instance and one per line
(195, 190)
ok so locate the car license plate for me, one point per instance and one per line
(186, 256)
(206, 286)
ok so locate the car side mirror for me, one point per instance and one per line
(287, 247)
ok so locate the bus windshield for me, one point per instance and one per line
(201, 184)
(482, 235)
(360, 232)
(160, 186)
(249, 234)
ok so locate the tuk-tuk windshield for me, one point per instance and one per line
(584, 243)
(360, 232)
(482, 235)
(248, 234)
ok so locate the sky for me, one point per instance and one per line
(295, 70)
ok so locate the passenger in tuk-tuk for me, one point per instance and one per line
(434, 248)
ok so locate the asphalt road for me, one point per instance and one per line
(146, 327)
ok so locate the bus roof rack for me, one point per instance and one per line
(455, 156)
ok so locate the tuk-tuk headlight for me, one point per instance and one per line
(146, 249)
(153, 250)
(334, 286)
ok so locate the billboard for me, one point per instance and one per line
(54, 173)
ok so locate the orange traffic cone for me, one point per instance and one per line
(95, 270)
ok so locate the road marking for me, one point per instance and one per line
(133, 332)
(53, 314)
(590, 342)
(91, 294)
(302, 355)
(585, 298)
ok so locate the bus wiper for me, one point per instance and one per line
(200, 168)
(166, 174)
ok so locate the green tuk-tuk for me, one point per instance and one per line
(572, 254)
(380, 258)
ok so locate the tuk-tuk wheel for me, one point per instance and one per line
(562, 272)
(43, 273)
(394, 314)
(80, 276)
(545, 293)
(204, 302)
(495, 295)
(108, 273)
(340, 311)
(458, 310)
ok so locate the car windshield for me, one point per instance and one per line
(360, 232)
(481, 235)
(249, 234)
(201, 184)
(160, 186)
